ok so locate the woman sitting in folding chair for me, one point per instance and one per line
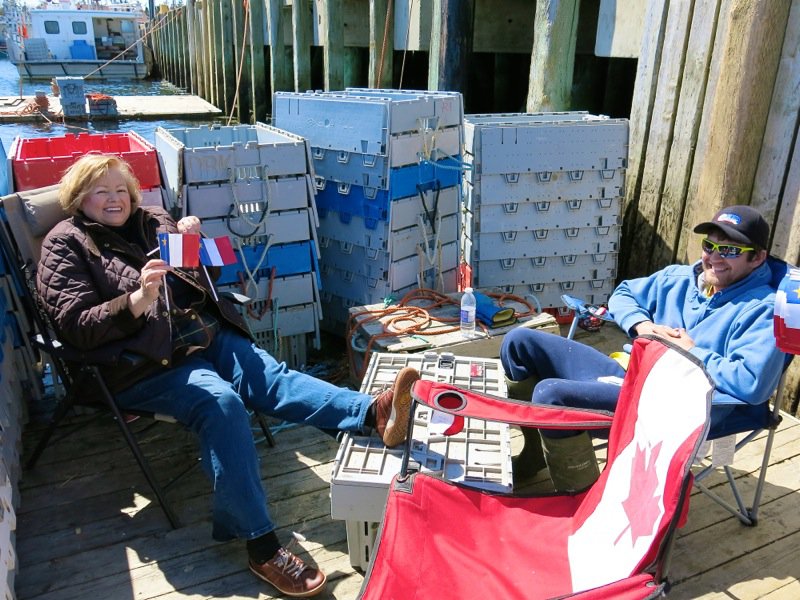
(198, 363)
(720, 309)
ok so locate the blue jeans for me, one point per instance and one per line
(210, 392)
(567, 371)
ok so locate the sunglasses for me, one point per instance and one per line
(724, 250)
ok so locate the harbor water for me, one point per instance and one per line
(11, 86)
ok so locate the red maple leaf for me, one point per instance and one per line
(642, 505)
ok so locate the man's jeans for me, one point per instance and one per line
(567, 371)
(210, 391)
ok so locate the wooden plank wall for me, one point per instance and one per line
(714, 122)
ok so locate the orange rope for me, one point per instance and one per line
(404, 318)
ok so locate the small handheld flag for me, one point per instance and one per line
(180, 249)
(216, 252)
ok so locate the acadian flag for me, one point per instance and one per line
(216, 252)
(180, 249)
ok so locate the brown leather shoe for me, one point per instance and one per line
(392, 407)
(290, 575)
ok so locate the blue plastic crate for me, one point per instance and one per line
(288, 259)
(373, 204)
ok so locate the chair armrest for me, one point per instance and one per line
(460, 402)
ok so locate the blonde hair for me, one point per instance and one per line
(79, 180)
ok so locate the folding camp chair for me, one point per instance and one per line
(745, 424)
(441, 539)
(27, 217)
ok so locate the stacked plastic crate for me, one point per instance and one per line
(388, 170)
(41, 161)
(479, 455)
(253, 184)
(543, 204)
(73, 101)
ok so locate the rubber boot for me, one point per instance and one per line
(530, 460)
(572, 462)
(527, 464)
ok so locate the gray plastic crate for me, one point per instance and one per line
(549, 294)
(578, 145)
(273, 194)
(287, 321)
(544, 242)
(374, 170)
(229, 153)
(527, 216)
(280, 227)
(348, 289)
(546, 185)
(544, 269)
(479, 455)
(362, 123)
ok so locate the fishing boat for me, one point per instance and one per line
(94, 40)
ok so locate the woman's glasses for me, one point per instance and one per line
(724, 250)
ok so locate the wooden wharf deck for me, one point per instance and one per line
(87, 527)
(169, 106)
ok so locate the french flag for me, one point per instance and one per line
(217, 252)
(180, 249)
(787, 313)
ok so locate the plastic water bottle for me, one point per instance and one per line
(468, 313)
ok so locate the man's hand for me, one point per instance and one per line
(676, 335)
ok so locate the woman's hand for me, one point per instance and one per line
(150, 282)
(189, 225)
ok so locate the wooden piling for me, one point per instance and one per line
(381, 43)
(259, 97)
(451, 44)
(553, 56)
(332, 40)
(301, 44)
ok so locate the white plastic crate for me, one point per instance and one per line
(228, 153)
(373, 170)
(587, 143)
(215, 200)
(479, 456)
(280, 227)
(362, 122)
(544, 269)
(286, 291)
(285, 321)
(549, 294)
(544, 242)
(527, 216)
(548, 185)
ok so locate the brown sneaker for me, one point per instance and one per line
(392, 407)
(290, 575)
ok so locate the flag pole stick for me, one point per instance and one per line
(210, 284)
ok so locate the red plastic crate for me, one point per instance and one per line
(562, 314)
(38, 162)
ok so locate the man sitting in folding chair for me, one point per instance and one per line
(720, 309)
(198, 363)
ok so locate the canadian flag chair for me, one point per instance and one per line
(748, 422)
(440, 539)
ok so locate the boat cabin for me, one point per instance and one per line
(85, 34)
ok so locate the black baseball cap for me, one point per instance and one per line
(743, 224)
